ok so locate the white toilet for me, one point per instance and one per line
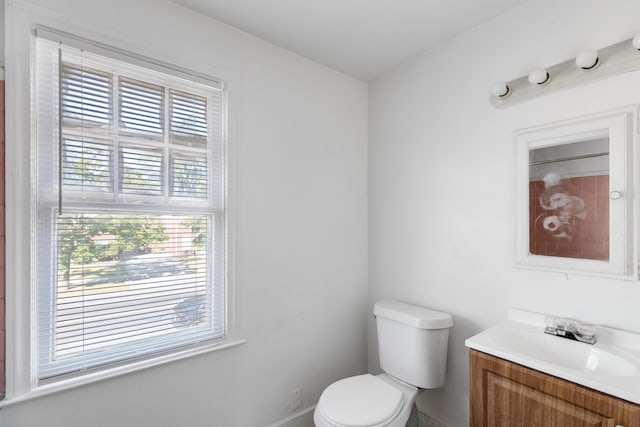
(412, 343)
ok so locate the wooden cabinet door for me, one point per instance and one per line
(509, 395)
(510, 403)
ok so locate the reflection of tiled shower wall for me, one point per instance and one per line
(592, 240)
(2, 246)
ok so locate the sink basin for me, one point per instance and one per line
(598, 360)
(612, 365)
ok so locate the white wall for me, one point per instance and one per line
(2, 37)
(441, 178)
(300, 137)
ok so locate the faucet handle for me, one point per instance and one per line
(560, 323)
(586, 329)
(569, 328)
(551, 321)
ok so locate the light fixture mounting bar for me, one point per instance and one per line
(616, 59)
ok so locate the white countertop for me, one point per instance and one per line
(611, 365)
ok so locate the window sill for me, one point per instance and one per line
(70, 383)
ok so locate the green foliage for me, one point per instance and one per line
(75, 242)
(190, 178)
(91, 171)
(198, 226)
(137, 233)
(86, 238)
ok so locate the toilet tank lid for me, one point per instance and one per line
(412, 315)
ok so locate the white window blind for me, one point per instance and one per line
(141, 107)
(130, 232)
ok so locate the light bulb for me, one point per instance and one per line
(587, 59)
(636, 41)
(539, 76)
(500, 90)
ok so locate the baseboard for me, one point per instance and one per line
(425, 420)
(302, 418)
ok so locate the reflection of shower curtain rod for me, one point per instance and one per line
(565, 159)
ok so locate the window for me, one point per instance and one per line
(129, 192)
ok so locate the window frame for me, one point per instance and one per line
(20, 358)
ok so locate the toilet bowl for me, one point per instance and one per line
(412, 346)
(365, 400)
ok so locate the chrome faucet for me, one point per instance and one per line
(571, 329)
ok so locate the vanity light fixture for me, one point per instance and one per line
(588, 65)
(587, 59)
(500, 90)
(539, 76)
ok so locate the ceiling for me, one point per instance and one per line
(362, 38)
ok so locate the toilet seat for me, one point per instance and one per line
(363, 400)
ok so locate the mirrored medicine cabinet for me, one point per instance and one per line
(576, 198)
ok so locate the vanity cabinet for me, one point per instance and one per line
(510, 395)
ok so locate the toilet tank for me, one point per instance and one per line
(412, 342)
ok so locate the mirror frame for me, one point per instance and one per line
(621, 125)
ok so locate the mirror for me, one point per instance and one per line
(569, 200)
(575, 195)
